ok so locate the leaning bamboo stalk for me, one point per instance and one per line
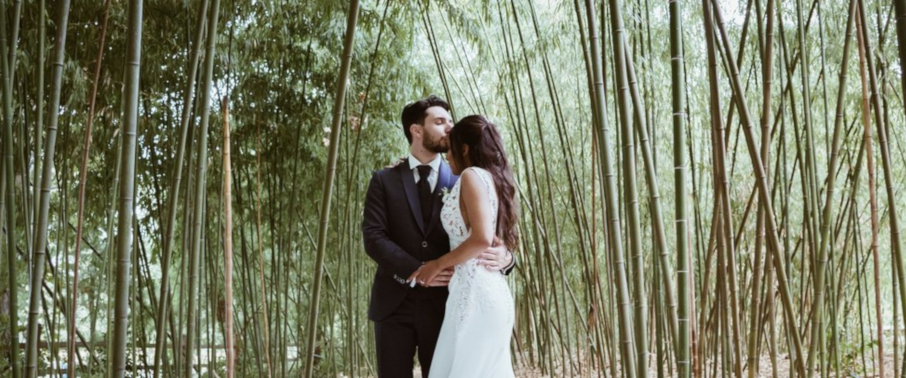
(884, 149)
(173, 200)
(200, 186)
(339, 99)
(754, 154)
(31, 354)
(757, 279)
(228, 241)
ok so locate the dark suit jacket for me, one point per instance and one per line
(396, 237)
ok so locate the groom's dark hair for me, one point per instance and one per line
(415, 112)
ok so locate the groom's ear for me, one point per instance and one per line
(415, 129)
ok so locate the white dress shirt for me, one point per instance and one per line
(435, 169)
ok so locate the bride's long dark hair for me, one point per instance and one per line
(486, 151)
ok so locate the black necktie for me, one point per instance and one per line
(424, 192)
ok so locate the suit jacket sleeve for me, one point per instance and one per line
(389, 256)
(509, 269)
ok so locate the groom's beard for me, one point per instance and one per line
(436, 145)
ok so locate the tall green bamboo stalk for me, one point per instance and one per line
(127, 186)
(654, 198)
(10, 198)
(200, 186)
(684, 264)
(31, 354)
(827, 213)
(339, 100)
(624, 313)
(630, 192)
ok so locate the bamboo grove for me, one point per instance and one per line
(707, 188)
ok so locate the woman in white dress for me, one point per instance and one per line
(475, 336)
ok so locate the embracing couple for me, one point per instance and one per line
(442, 237)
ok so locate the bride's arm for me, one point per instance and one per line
(476, 202)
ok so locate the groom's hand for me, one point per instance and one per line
(496, 257)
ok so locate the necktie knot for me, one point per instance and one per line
(423, 171)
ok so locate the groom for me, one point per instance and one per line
(401, 230)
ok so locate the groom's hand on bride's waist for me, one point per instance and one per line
(496, 257)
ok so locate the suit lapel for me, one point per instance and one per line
(411, 194)
(444, 181)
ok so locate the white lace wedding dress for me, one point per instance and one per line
(475, 336)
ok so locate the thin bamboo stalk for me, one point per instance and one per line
(228, 242)
(83, 178)
(261, 294)
(899, 7)
(37, 278)
(339, 99)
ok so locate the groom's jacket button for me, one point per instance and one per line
(424, 244)
(398, 279)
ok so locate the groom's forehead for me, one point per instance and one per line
(437, 112)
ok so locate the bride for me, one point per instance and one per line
(475, 336)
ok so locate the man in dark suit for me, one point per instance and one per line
(401, 230)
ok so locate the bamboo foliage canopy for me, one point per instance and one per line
(706, 187)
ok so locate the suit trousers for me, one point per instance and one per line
(413, 327)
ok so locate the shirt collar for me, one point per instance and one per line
(435, 164)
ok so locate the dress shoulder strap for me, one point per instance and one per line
(488, 181)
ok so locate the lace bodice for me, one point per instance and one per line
(472, 282)
(451, 213)
(475, 337)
